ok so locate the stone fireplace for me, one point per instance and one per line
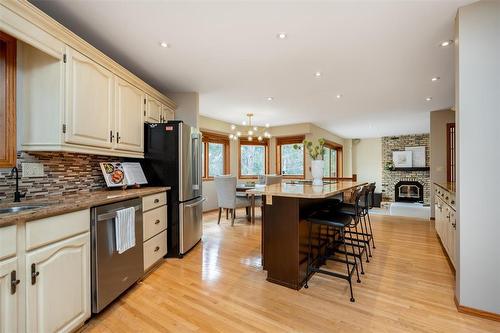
(408, 191)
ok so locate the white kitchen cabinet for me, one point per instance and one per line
(9, 298)
(129, 103)
(153, 110)
(445, 222)
(167, 114)
(58, 286)
(89, 102)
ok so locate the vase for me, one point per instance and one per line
(317, 167)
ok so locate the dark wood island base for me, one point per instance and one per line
(285, 230)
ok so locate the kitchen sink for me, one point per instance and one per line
(15, 209)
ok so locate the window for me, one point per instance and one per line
(215, 155)
(333, 160)
(253, 158)
(290, 161)
(451, 169)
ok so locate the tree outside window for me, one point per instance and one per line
(253, 158)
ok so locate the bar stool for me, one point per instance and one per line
(366, 227)
(339, 223)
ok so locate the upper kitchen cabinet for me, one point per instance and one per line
(129, 104)
(7, 101)
(89, 102)
(167, 113)
(153, 110)
(72, 97)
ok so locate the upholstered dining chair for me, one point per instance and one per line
(225, 186)
(273, 179)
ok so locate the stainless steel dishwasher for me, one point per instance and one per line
(113, 273)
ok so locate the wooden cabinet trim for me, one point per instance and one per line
(9, 79)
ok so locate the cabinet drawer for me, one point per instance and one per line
(52, 229)
(8, 237)
(154, 221)
(153, 201)
(155, 249)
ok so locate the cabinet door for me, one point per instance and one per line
(153, 110)
(58, 298)
(129, 116)
(452, 237)
(8, 301)
(168, 114)
(89, 102)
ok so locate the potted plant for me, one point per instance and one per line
(316, 152)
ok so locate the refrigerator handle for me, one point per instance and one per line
(195, 159)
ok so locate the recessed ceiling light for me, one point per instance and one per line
(270, 98)
(164, 44)
(281, 35)
(446, 43)
(428, 99)
(267, 125)
(435, 78)
(317, 74)
(339, 96)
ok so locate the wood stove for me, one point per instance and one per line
(409, 191)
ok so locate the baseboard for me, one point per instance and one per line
(476, 312)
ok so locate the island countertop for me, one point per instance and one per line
(306, 191)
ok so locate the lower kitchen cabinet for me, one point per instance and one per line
(58, 285)
(9, 295)
(45, 284)
(445, 224)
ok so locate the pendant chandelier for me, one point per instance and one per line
(249, 131)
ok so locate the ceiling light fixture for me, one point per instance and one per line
(270, 98)
(339, 96)
(446, 43)
(250, 130)
(428, 99)
(435, 78)
(164, 44)
(317, 74)
(281, 35)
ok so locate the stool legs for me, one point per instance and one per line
(371, 232)
(309, 249)
(342, 234)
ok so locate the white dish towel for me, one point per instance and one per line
(125, 229)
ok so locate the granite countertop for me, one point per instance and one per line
(57, 205)
(450, 186)
(306, 190)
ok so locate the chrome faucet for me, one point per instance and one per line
(17, 195)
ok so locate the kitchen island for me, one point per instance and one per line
(285, 229)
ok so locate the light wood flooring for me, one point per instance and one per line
(220, 287)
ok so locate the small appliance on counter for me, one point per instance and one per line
(172, 157)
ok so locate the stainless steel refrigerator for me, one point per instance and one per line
(172, 153)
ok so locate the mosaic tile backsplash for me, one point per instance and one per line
(65, 173)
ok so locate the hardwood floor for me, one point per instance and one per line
(220, 287)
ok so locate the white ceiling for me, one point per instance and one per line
(380, 56)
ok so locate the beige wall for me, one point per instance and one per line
(187, 107)
(367, 161)
(439, 119)
(311, 132)
(478, 134)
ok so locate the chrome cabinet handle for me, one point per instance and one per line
(157, 221)
(157, 249)
(157, 200)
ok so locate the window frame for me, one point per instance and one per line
(9, 95)
(210, 137)
(339, 152)
(287, 141)
(246, 142)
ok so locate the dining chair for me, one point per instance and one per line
(273, 179)
(225, 187)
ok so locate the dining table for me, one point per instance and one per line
(244, 188)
